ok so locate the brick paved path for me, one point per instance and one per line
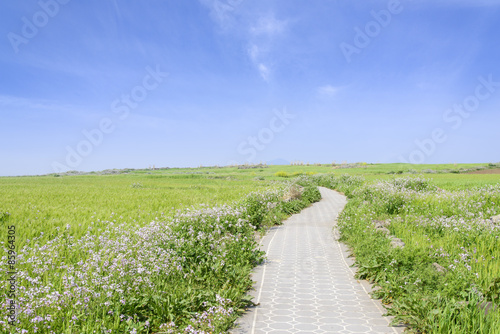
(306, 284)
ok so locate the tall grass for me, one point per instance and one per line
(48, 204)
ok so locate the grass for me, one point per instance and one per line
(172, 249)
(445, 229)
(135, 253)
(49, 204)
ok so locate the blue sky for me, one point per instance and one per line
(91, 85)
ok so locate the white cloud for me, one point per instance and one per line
(260, 31)
(268, 26)
(328, 90)
(257, 55)
(221, 11)
(262, 35)
(264, 72)
(254, 52)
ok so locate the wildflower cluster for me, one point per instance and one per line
(183, 274)
(449, 256)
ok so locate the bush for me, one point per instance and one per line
(311, 194)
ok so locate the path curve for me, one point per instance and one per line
(306, 284)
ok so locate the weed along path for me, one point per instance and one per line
(306, 284)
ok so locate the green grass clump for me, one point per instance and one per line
(281, 174)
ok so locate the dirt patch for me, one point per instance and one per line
(486, 171)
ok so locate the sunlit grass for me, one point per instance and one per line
(48, 204)
(135, 253)
(447, 228)
(90, 230)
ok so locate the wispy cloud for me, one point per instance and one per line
(221, 11)
(254, 52)
(28, 107)
(262, 35)
(264, 72)
(259, 31)
(268, 26)
(328, 90)
(117, 9)
(33, 104)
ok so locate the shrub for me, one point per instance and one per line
(311, 194)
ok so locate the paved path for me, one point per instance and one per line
(306, 284)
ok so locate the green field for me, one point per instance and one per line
(170, 248)
(135, 252)
(46, 204)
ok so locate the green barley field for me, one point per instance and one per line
(47, 204)
(171, 250)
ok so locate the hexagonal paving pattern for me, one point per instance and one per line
(306, 284)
